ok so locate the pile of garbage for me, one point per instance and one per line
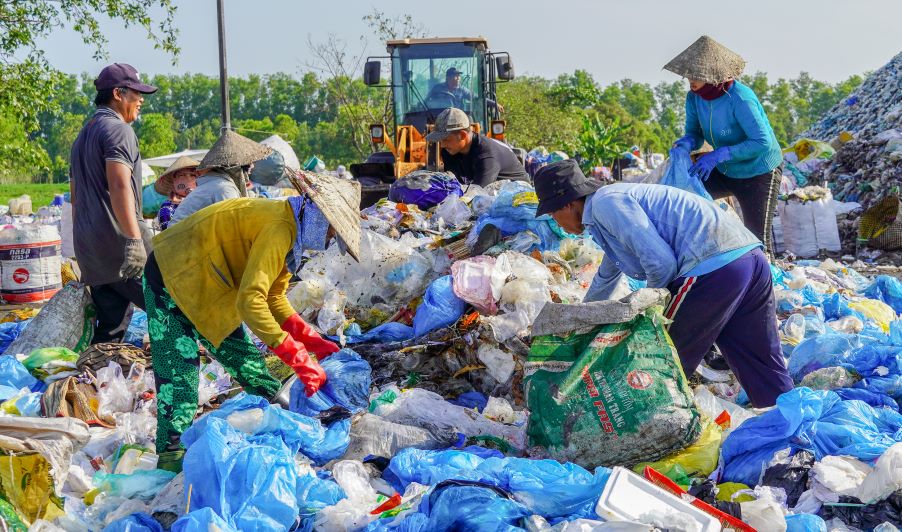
(865, 130)
(475, 391)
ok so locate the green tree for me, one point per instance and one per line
(156, 134)
(22, 160)
(600, 143)
(27, 78)
(533, 116)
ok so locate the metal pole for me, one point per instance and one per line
(223, 69)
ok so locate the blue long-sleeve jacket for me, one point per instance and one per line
(737, 120)
(657, 233)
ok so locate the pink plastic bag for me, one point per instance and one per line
(479, 281)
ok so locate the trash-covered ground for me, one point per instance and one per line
(474, 392)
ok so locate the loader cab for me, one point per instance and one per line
(418, 79)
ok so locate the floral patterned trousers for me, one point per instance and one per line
(176, 361)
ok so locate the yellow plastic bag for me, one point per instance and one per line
(878, 311)
(727, 491)
(811, 149)
(26, 483)
(699, 459)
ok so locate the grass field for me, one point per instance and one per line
(41, 194)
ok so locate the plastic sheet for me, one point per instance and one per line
(203, 520)
(249, 481)
(421, 408)
(546, 487)
(138, 522)
(9, 332)
(677, 174)
(254, 416)
(347, 385)
(816, 421)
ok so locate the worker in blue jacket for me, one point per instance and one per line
(712, 265)
(746, 161)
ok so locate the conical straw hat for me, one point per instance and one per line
(707, 60)
(339, 201)
(163, 185)
(232, 149)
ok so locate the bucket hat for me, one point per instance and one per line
(707, 60)
(233, 149)
(560, 183)
(339, 201)
(163, 184)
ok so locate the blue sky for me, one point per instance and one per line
(612, 39)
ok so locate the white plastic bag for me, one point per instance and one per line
(809, 227)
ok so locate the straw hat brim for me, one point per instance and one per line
(233, 149)
(707, 60)
(163, 184)
(339, 201)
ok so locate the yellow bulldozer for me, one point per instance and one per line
(427, 77)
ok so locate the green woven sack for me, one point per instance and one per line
(615, 395)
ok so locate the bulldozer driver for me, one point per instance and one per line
(454, 95)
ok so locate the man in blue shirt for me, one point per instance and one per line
(711, 264)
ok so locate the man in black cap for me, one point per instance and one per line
(471, 157)
(712, 265)
(454, 95)
(111, 240)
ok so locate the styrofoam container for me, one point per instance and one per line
(627, 497)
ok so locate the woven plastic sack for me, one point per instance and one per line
(65, 321)
(880, 227)
(615, 395)
(677, 174)
(424, 188)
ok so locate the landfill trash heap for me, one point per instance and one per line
(474, 391)
(865, 129)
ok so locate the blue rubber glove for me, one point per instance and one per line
(685, 143)
(705, 165)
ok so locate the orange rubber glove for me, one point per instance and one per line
(306, 368)
(301, 331)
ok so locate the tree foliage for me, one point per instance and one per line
(323, 115)
(27, 79)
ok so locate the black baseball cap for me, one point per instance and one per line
(452, 72)
(120, 75)
(560, 183)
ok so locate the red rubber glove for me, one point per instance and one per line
(307, 369)
(301, 331)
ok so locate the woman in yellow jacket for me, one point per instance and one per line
(231, 263)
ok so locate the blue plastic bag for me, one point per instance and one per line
(301, 434)
(816, 421)
(347, 385)
(877, 400)
(137, 328)
(137, 522)
(547, 487)
(887, 289)
(805, 523)
(387, 332)
(203, 520)
(440, 308)
(14, 375)
(315, 493)
(514, 211)
(822, 351)
(677, 174)
(250, 481)
(424, 188)
(9, 332)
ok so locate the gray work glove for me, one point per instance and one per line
(135, 257)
